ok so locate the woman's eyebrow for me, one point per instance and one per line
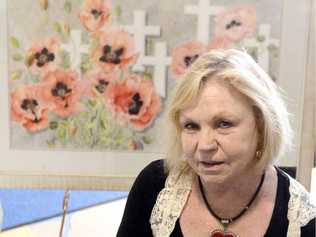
(185, 118)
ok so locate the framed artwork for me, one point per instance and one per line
(84, 83)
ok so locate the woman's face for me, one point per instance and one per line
(219, 134)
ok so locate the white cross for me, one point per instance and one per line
(263, 46)
(75, 48)
(203, 11)
(140, 31)
(159, 61)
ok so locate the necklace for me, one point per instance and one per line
(226, 221)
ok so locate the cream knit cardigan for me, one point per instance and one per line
(172, 198)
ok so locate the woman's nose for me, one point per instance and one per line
(207, 140)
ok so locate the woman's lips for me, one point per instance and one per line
(211, 165)
(211, 162)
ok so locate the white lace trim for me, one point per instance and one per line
(301, 208)
(172, 198)
(170, 202)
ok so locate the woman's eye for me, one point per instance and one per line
(225, 124)
(191, 126)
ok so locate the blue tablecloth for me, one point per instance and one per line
(24, 206)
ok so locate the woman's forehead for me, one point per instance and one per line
(218, 99)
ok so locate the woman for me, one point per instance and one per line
(228, 124)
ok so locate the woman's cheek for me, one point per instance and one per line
(189, 143)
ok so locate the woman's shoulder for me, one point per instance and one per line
(154, 169)
(152, 176)
(301, 207)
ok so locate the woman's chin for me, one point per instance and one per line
(213, 179)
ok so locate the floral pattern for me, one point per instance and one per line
(236, 23)
(232, 26)
(115, 50)
(62, 90)
(95, 14)
(134, 100)
(97, 82)
(102, 102)
(41, 57)
(184, 55)
(29, 109)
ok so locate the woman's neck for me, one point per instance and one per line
(227, 200)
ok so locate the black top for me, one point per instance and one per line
(151, 180)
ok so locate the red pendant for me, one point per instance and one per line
(221, 233)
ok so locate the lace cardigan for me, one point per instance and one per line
(172, 198)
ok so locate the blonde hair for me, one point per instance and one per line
(240, 71)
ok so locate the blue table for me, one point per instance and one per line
(25, 206)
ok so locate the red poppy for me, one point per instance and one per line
(236, 23)
(41, 57)
(184, 55)
(115, 49)
(63, 90)
(95, 13)
(97, 81)
(28, 108)
(134, 100)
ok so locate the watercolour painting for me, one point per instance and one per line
(95, 76)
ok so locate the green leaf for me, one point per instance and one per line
(118, 11)
(17, 57)
(61, 131)
(57, 27)
(92, 103)
(67, 7)
(85, 65)
(104, 123)
(147, 76)
(261, 38)
(14, 42)
(16, 75)
(61, 134)
(90, 125)
(253, 51)
(146, 140)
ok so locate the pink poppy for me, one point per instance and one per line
(220, 43)
(97, 81)
(184, 55)
(95, 13)
(28, 108)
(115, 49)
(236, 24)
(134, 100)
(41, 57)
(63, 91)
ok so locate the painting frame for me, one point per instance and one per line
(113, 170)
